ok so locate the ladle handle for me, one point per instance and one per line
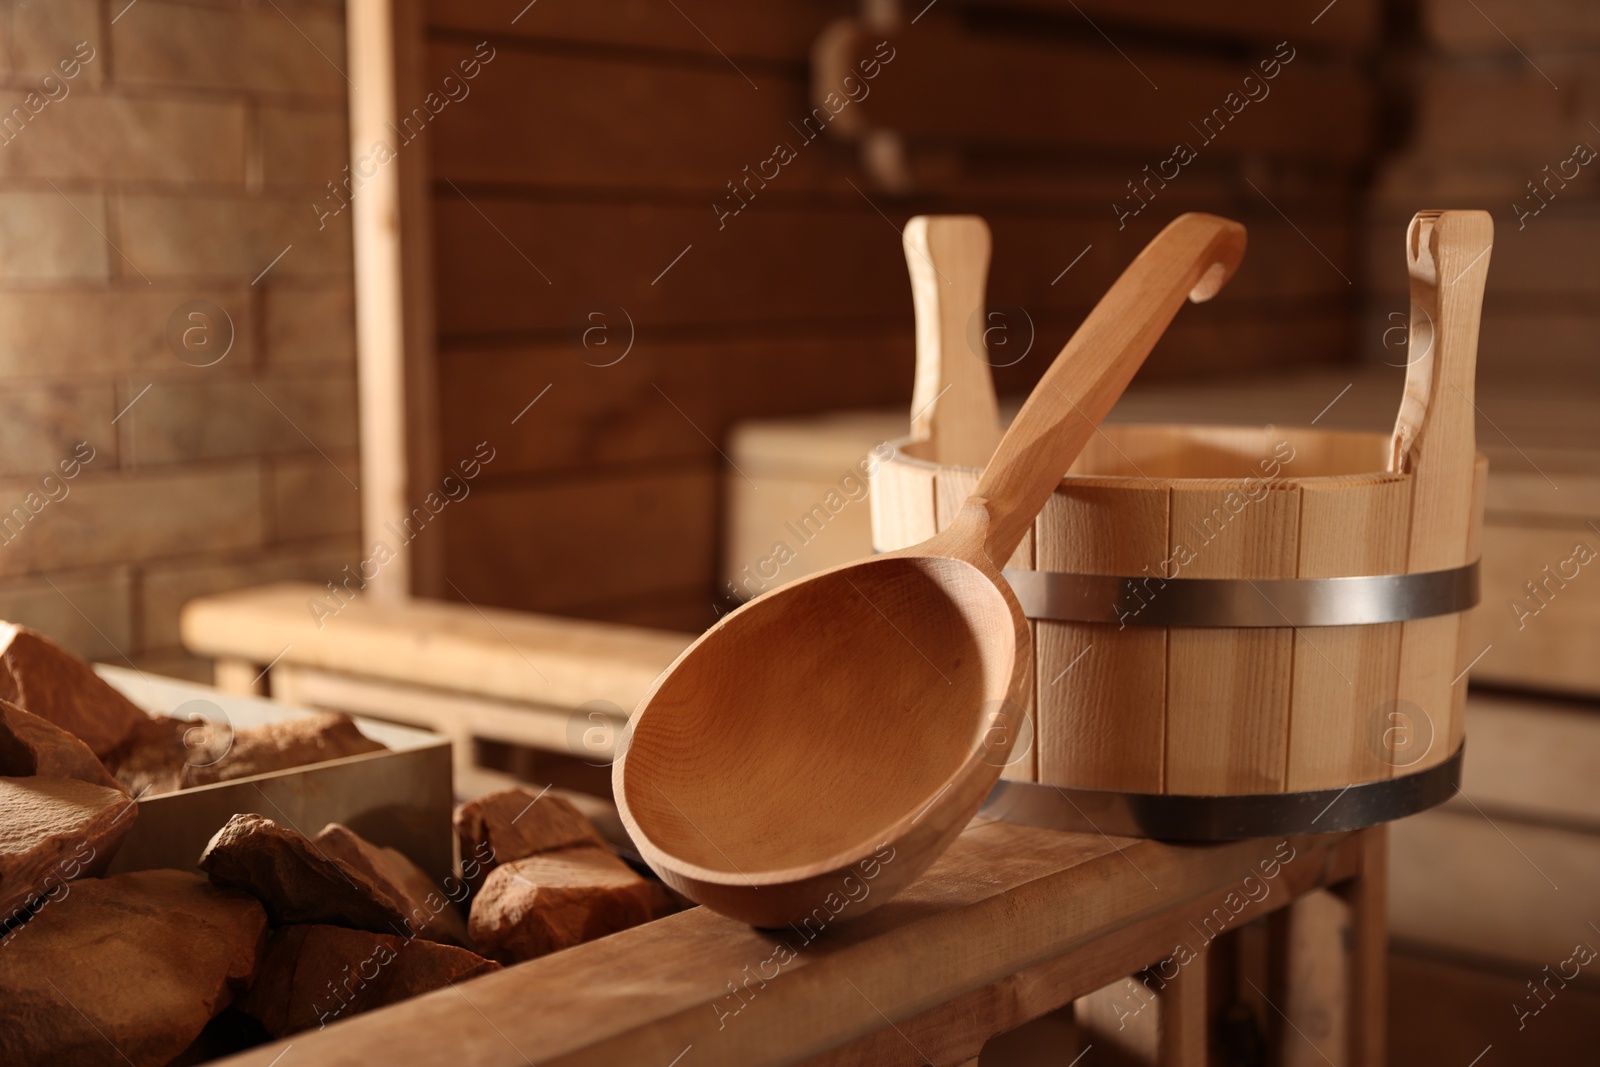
(1193, 257)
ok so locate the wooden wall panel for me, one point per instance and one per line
(1350, 24)
(775, 31)
(783, 264)
(598, 416)
(1093, 97)
(1545, 26)
(627, 125)
(582, 172)
(583, 541)
(776, 266)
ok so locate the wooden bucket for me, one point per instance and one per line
(1238, 631)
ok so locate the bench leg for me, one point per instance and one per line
(1122, 1021)
(237, 676)
(1133, 1024)
(1368, 983)
(1185, 1036)
(1307, 1013)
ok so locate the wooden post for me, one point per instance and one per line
(394, 301)
(1367, 1002)
(1122, 1020)
(233, 675)
(1309, 1020)
(1185, 1036)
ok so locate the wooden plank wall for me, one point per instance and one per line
(1502, 118)
(574, 183)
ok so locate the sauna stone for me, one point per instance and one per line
(430, 908)
(162, 756)
(53, 830)
(314, 975)
(126, 969)
(31, 745)
(533, 906)
(514, 824)
(37, 675)
(295, 880)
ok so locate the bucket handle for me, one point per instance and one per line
(1435, 423)
(953, 405)
(1434, 439)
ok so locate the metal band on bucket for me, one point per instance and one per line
(1244, 602)
(1175, 817)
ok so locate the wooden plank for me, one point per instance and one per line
(1353, 25)
(629, 255)
(617, 133)
(550, 546)
(1521, 498)
(394, 321)
(1532, 759)
(1308, 109)
(1366, 976)
(1540, 261)
(237, 676)
(786, 32)
(1455, 102)
(1447, 1011)
(1229, 691)
(425, 466)
(1542, 619)
(783, 32)
(1549, 26)
(1102, 690)
(717, 380)
(1541, 345)
(1125, 1019)
(610, 403)
(1344, 677)
(458, 715)
(1185, 1033)
(1031, 250)
(1309, 945)
(988, 909)
(1489, 887)
(840, 264)
(687, 610)
(504, 655)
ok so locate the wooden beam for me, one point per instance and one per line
(937, 80)
(494, 654)
(394, 316)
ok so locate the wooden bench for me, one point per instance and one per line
(1012, 924)
(561, 685)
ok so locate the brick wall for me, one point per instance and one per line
(154, 155)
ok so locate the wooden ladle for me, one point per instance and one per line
(818, 748)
